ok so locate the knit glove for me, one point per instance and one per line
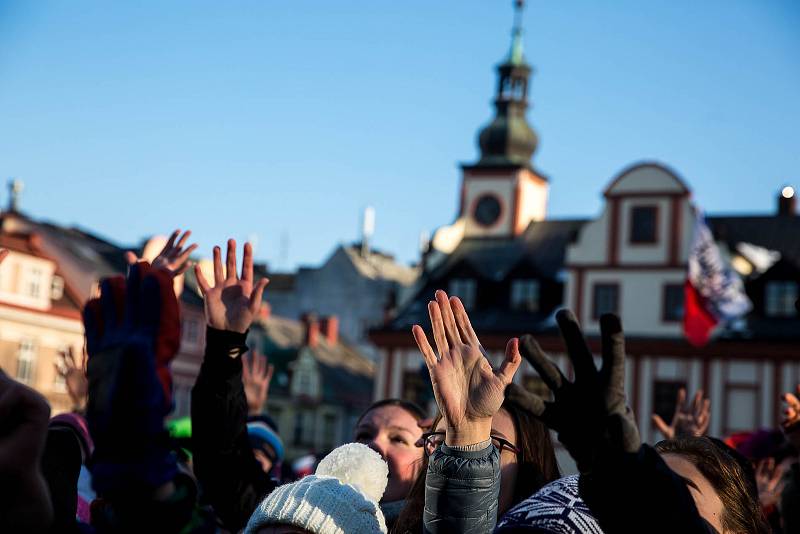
(590, 414)
(132, 334)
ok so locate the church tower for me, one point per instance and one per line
(502, 193)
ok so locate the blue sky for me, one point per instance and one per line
(283, 120)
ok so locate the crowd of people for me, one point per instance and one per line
(484, 463)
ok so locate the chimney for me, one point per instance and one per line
(330, 329)
(312, 329)
(787, 202)
(367, 229)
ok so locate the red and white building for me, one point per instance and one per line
(514, 268)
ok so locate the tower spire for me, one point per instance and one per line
(515, 55)
(509, 140)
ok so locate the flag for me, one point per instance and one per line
(713, 293)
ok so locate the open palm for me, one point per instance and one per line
(233, 302)
(466, 387)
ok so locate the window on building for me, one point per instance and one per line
(465, 289)
(33, 285)
(525, 295)
(780, 298)
(303, 428)
(664, 394)
(26, 359)
(606, 300)
(644, 224)
(57, 288)
(304, 382)
(673, 303)
(417, 386)
(329, 421)
(743, 404)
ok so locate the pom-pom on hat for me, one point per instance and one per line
(340, 498)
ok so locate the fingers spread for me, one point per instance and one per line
(462, 321)
(201, 280)
(450, 328)
(257, 295)
(577, 350)
(231, 260)
(424, 346)
(437, 326)
(182, 240)
(547, 370)
(662, 426)
(219, 276)
(511, 362)
(247, 263)
(613, 349)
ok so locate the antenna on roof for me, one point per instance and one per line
(367, 229)
(15, 188)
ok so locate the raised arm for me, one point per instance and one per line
(462, 483)
(231, 477)
(596, 426)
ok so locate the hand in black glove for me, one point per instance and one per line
(589, 414)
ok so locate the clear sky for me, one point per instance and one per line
(284, 119)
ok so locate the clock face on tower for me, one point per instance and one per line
(487, 210)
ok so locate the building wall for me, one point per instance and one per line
(47, 336)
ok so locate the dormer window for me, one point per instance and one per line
(465, 289)
(779, 298)
(643, 225)
(57, 288)
(525, 295)
(33, 283)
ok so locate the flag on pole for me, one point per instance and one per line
(713, 293)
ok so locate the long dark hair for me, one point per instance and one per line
(742, 511)
(536, 463)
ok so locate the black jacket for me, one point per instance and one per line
(231, 479)
(461, 491)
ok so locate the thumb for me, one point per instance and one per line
(511, 362)
(663, 427)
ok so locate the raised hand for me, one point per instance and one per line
(589, 414)
(769, 479)
(173, 258)
(690, 419)
(468, 391)
(256, 375)
(74, 376)
(233, 302)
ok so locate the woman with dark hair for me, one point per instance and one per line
(392, 428)
(720, 486)
(527, 459)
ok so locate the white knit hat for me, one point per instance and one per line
(340, 498)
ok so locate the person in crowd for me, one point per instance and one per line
(340, 498)
(233, 481)
(392, 427)
(789, 504)
(25, 496)
(266, 443)
(132, 335)
(527, 459)
(718, 482)
(462, 484)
